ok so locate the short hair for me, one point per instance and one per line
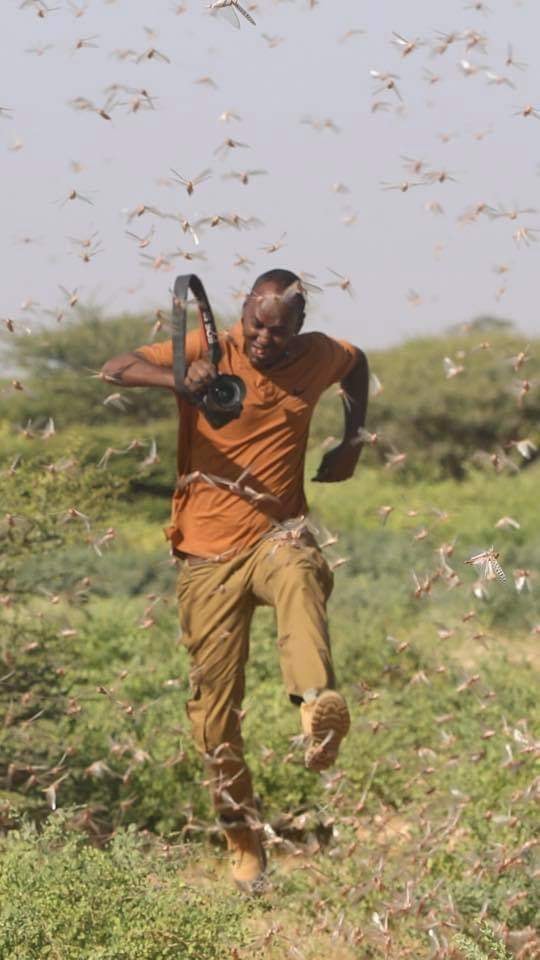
(282, 279)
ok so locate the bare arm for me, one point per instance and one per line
(355, 388)
(133, 370)
(339, 464)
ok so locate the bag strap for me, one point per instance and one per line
(182, 285)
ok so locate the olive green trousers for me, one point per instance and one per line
(216, 602)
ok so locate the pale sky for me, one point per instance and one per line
(395, 245)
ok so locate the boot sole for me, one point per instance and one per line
(330, 723)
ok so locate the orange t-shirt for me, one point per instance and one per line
(269, 438)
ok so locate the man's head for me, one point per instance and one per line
(272, 315)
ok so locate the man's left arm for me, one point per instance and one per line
(339, 463)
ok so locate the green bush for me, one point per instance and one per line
(442, 423)
(62, 897)
(58, 365)
(487, 946)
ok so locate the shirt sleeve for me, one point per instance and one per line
(334, 359)
(162, 353)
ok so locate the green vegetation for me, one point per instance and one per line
(66, 898)
(488, 946)
(108, 847)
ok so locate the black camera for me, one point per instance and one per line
(224, 400)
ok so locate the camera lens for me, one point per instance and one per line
(227, 392)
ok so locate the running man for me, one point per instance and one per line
(238, 526)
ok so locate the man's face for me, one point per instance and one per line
(269, 325)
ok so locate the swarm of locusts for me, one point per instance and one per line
(425, 828)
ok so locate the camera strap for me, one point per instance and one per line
(182, 285)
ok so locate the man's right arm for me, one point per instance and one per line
(133, 370)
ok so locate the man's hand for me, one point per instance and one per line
(199, 376)
(338, 464)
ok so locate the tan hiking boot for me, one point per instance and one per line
(325, 722)
(247, 858)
